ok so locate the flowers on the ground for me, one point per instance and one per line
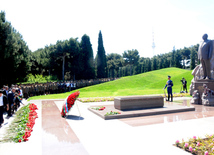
(177, 142)
(186, 145)
(21, 127)
(190, 148)
(97, 99)
(31, 121)
(98, 108)
(112, 113)
(197, 145)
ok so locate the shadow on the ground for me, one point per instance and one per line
(74, 117)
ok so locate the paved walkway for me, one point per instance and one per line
(8, 120)
(84, 133)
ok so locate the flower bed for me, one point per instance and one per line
(98, 108)
(97, 99)
(112, 113)
(104, 99)
(22, 126)
(102, 108)
(198, 146)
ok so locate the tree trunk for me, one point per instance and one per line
(183, 64)
(63, 66)
(112, 73)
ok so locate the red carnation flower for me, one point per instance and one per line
(102, 108)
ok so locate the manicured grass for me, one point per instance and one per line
(142, 84)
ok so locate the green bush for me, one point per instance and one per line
(40, 78)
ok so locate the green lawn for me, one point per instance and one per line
(141, 84)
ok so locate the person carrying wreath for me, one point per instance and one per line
(169, 85)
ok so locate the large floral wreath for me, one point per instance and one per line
(69, 102)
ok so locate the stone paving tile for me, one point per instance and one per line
(58, 137)
(200, 112)
(83, 132)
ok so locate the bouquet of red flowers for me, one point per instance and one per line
(69, 102)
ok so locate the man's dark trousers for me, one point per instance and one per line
(169, 90)
(1, 114)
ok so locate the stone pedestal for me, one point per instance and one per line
(198, 85)
(138, 102)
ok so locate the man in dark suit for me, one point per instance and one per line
(10, 97)
(205, 54)
(3, 106)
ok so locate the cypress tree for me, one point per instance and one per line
(173, 60)
(88, 58)
(149, 65)
(101, 59)
(154, 63)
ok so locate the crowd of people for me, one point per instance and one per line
(35, 89)
(10, 99)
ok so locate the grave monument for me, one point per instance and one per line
(204, 72)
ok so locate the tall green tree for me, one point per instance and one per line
(194, 56)
(14, 53)
(178, 59)
(87, 58)
(101, 58)
(192, 62)
(154, 63)
(173, 59)
(148, 65)
(41, 61)
(131, 58)
(66, 58)
(114, 62)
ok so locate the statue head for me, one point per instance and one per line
(204, 37)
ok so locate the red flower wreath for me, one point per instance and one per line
(69, 102)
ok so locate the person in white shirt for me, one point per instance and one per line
(20, 92)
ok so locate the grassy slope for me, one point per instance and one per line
(141, 84)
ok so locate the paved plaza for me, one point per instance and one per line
(85, 133)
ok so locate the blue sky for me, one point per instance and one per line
(125, 25)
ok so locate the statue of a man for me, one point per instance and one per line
(205, 54)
